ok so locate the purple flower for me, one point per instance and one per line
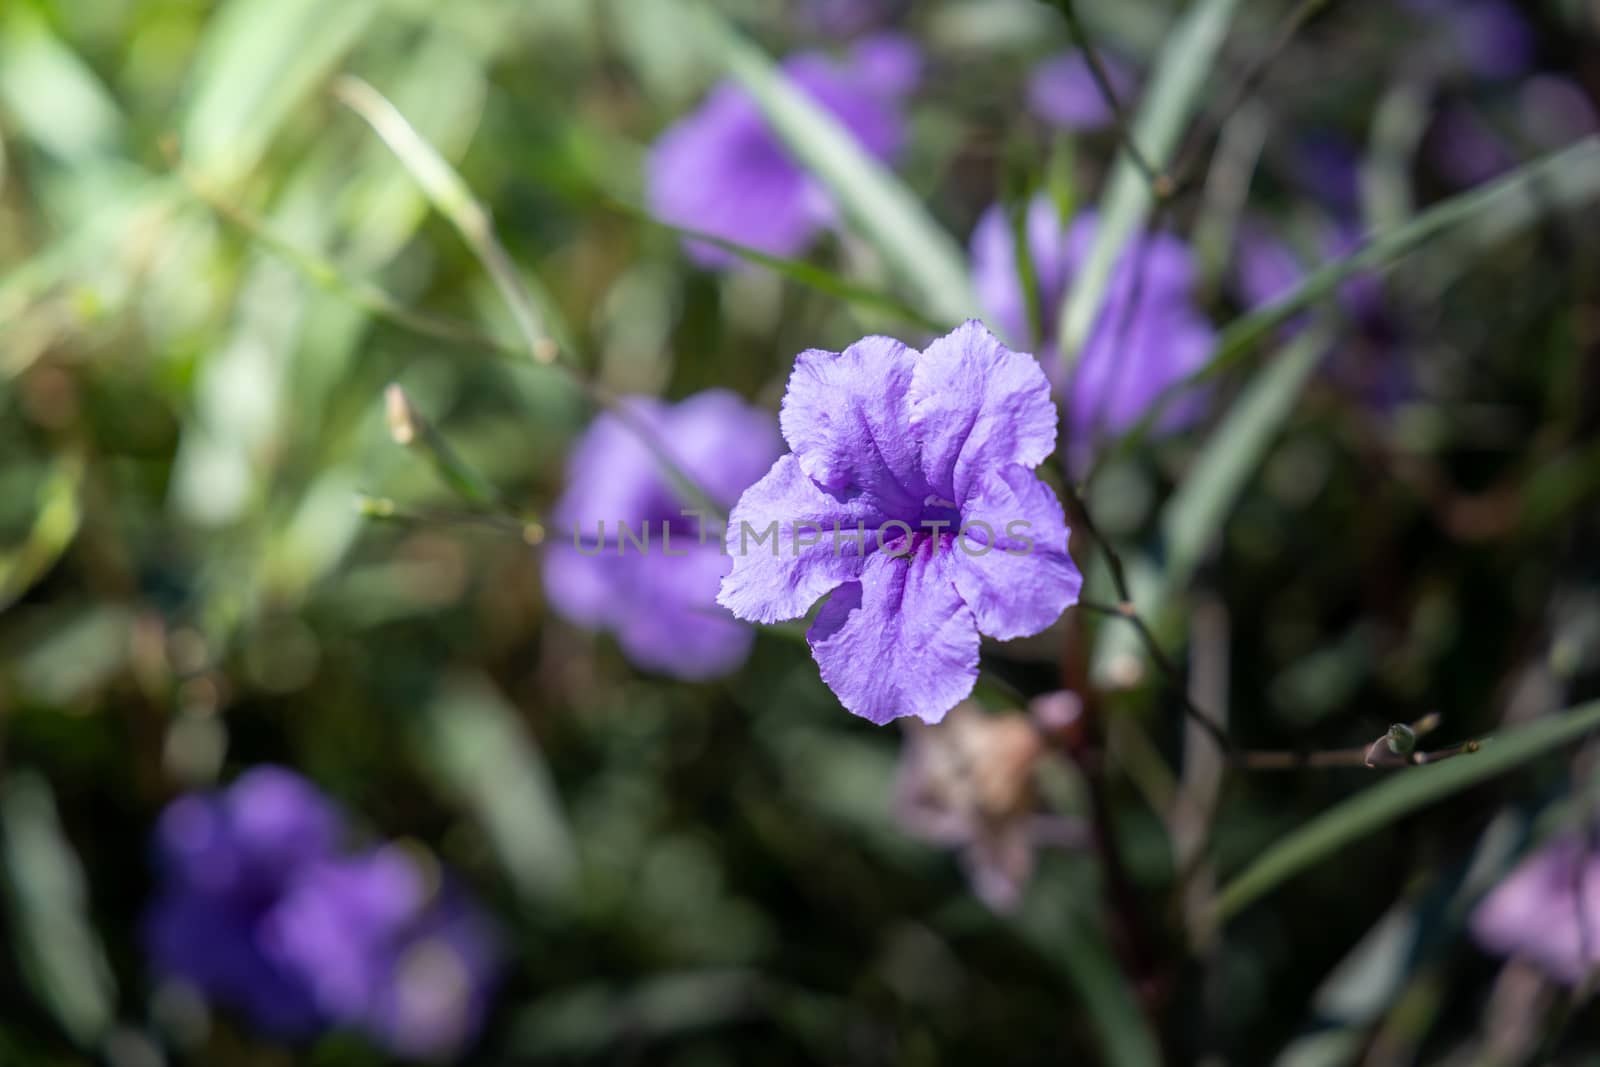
(658, 596)
(723, 172)
(225, 861)
(260, 912)
(386, 953)
(1063, 92)
(1547, 911)
(910, 496)
(1149, 334)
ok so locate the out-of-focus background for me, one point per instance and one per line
(234, 610)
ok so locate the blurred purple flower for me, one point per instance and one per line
(1555, 111)
(899, 452)
(385, 952)
(260, 912)
(1466, 151)
(723, 172)
(1489, 38)
(1150, 334)
(1329, 168)
(847, 18)
(1370, 362)
(660, 602)
(890, 63)
(1547, 911)
(968, 783)
(1063, 92)
(1266, 269)
(1551, 113)
(225, 861)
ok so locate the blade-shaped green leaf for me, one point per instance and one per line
(55, 525)
(1397, 796)
(480, 749)
(257, 63)
(61, 955)
(1186, 61)
(878, 205)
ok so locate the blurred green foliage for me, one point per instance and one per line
(207, 264)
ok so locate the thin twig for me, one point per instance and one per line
(1163, 662)
(1182, 172)
(1161, 186)
(529, 531)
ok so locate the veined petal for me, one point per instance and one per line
(776, 574)
(845, 414)
(1012, 568)
(976, 406)
(899, 641)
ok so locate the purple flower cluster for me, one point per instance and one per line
(938, 447)
(660, 600)
(1547, 911)
(263, 912)
(1150, 333)
(723, 172)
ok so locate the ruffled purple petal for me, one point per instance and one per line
(900, 641)
(845, 415)
(779, 576)
(1012, 569)
(977, 406)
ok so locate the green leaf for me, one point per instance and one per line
(878, 205)
(62, 957)
(54, 527)
(480, 749)
(258, 62)
(1186, 62)
(54, 96)
(1406, 791)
